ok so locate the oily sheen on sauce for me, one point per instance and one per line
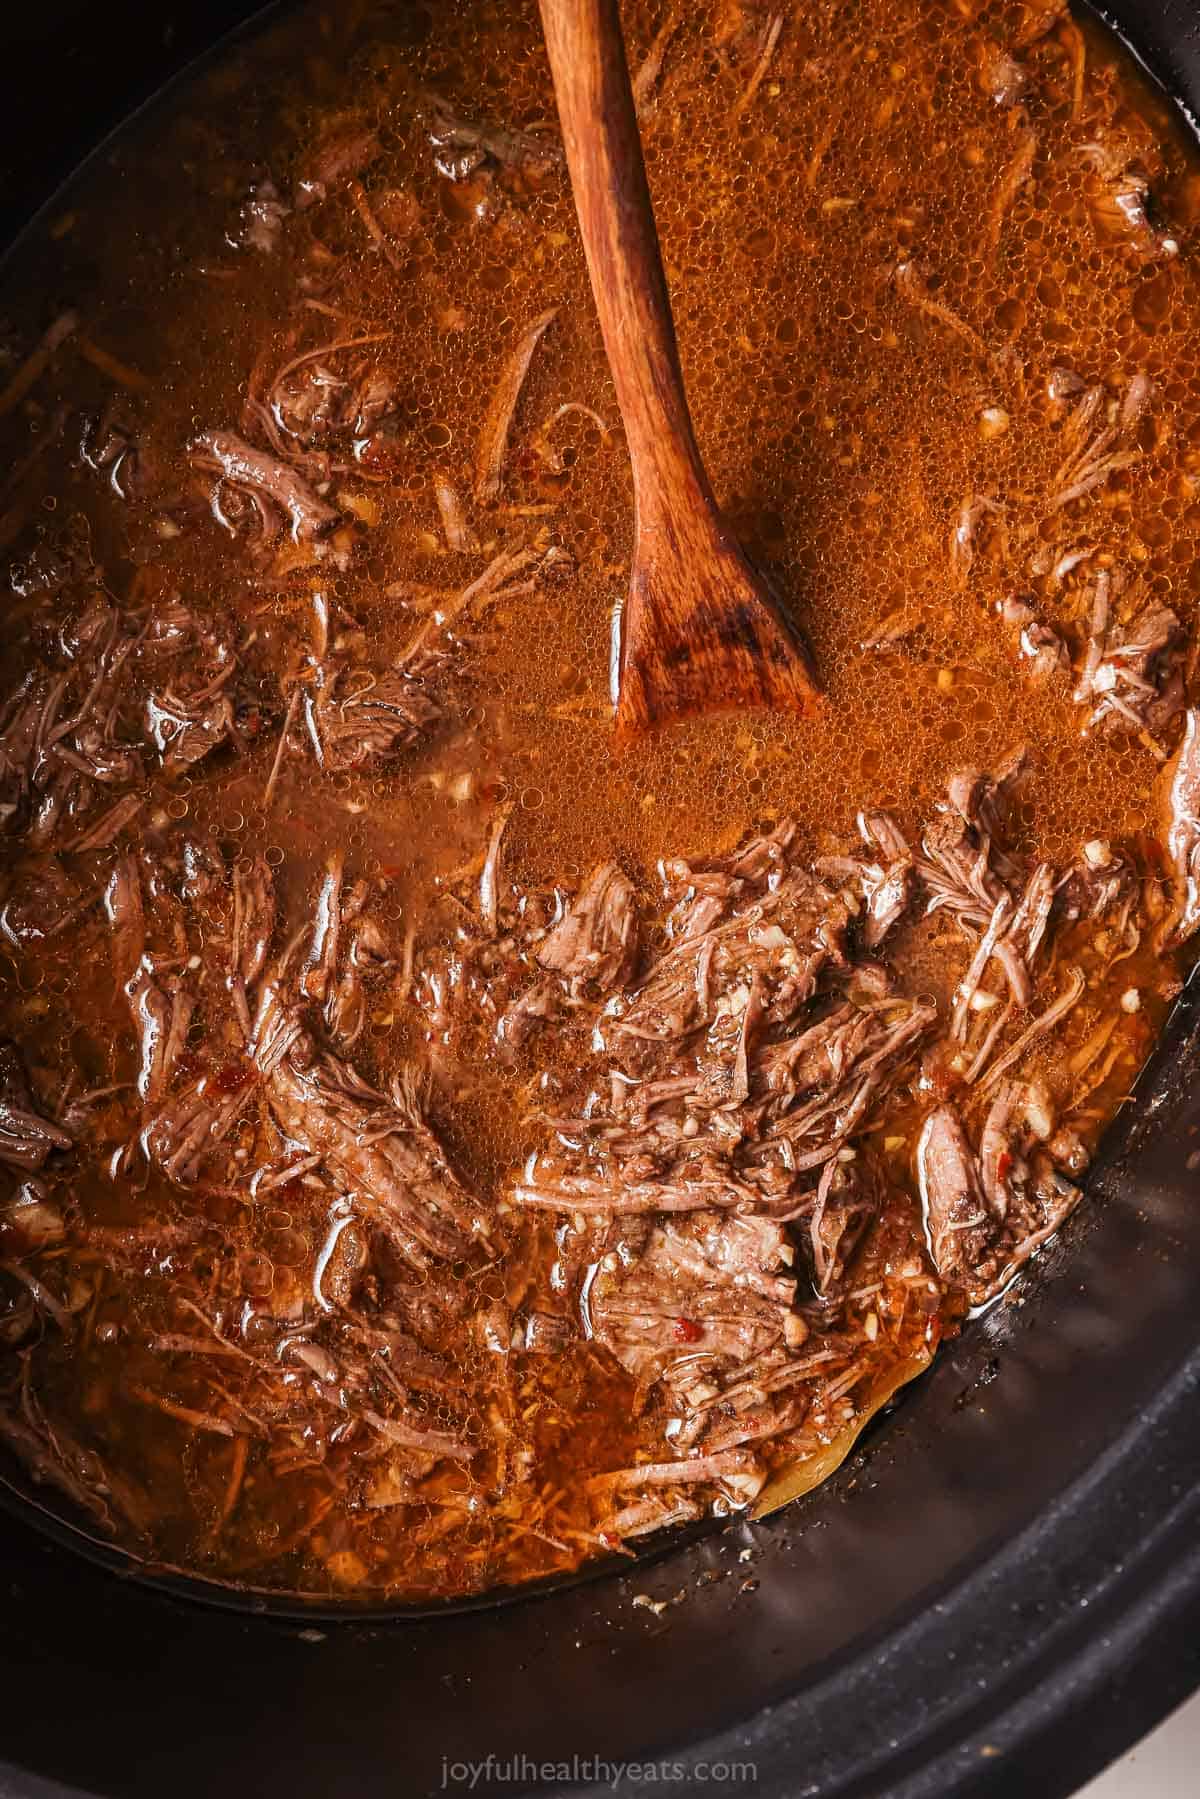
(439, 1147)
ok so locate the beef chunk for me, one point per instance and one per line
(344, 150)
(277, 490)
(989, 1210)
(361, 714)
(261, 218)
(466, 149)
(886, 882)
(187, 727)
(1120, 197)
(1133, 674)
(737, 1070)
(383, 1149)
(26, 1138)
(849, 1196)
(1183, 840)
(595, 942)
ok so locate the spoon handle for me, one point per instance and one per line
(701, 629)
(604, 154)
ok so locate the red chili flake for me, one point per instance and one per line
(687, 1331)
(232, 1078)
(1004, 1164)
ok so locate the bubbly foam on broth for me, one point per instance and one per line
(876, 267)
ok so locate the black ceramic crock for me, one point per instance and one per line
(995, 1596)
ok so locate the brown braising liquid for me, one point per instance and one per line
(868, 338)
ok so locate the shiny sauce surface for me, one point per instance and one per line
(903, 238)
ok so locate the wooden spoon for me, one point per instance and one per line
(702, 631)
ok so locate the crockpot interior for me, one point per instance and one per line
(1002, 1585)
